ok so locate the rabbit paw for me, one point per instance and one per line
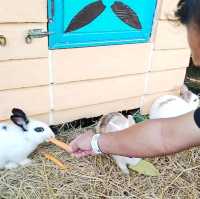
(11, 165)
(25, 162)
(123, 167)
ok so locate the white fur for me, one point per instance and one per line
(172, 106)
(16, 144)
(117, 123)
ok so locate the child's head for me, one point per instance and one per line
(188, 13)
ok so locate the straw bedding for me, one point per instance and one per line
(98, 177)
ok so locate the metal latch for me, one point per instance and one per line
(35, 33)
(3, 40)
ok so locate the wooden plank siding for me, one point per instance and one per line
(170, 56)
(102, 62)
(33, 100)
(24, 73)
(165, 80)
(23, 11)
(16, 47)
(170, 59)
(63, 85)
(84, 93)
(170, 36)
(95, 110)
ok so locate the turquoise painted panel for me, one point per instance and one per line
(78, 23)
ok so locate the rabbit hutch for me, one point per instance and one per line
(62, 60)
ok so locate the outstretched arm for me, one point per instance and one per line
(153, 137)
(146, 139)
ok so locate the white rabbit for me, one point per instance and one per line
(115, 122)
(172, 106)
(19, 138)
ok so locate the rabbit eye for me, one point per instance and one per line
(195, 100)
(39, 129)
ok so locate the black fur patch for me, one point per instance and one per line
(20, 113)
(197, 117)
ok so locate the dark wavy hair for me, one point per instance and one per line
(188, 11)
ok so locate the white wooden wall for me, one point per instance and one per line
(62, 85)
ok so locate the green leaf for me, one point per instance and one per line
(138, 117)
(145, 168)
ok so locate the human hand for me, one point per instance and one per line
(81, 146)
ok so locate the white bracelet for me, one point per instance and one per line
(94, 144)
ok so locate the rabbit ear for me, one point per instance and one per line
(19, 121)
(184, 89)
(185, 93)
(19, 113)
(187, 96)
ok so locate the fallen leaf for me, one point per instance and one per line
(145, 168)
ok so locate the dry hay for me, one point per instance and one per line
(98, 177)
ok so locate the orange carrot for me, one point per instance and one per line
(55, 160)
(60, 144)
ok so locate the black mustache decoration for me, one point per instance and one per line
(126, 14)
(90, 12)
(86, 15)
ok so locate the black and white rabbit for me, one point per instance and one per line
(115, 122)
(19, 138)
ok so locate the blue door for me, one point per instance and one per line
(78, 23)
